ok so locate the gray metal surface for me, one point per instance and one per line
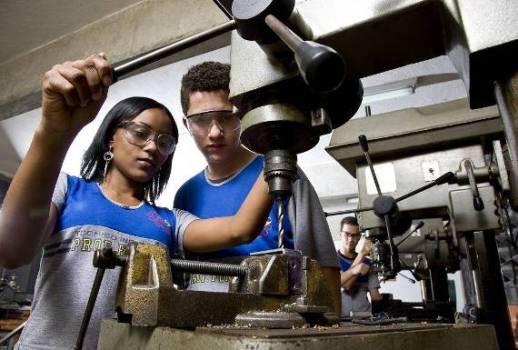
(464, 216)
(412, 130)
(398, 33)
(407, 174)
(394, 337)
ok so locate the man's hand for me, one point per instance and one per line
(364, 247)
(73, 93)
(360, 269)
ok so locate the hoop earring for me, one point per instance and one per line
(107, 156)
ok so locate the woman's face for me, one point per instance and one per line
(141, 161)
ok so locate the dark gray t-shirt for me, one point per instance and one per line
(356, 298)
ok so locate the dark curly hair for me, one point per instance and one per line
(348, 220)
(127, 109)
(206, 76)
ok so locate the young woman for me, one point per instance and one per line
(112, 204)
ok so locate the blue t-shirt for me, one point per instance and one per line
(86, 205)
(205, 199)
(345, 264)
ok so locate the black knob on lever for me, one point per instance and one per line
(321, 67)
(263, 21)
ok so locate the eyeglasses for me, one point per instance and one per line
(350, 235)
(141, 134)
(226, 120)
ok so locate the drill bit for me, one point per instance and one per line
(280, 219)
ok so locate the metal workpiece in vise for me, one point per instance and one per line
(276, 289)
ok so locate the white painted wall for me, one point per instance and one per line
(162, 84)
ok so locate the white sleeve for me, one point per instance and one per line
(60, 191)
(183, 219)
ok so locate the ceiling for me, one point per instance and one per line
(28, 24)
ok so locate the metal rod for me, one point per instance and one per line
(392, 246)
(349, 211)
(439, 181)
(89, 308)
(283, 32)
(223, 9)
(124, 69)
(13, 333)
(508, 122)
(209, 268)
(417, 227)
(364, 145)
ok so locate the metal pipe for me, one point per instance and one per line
(125, 68)
(349, 211)
(89, 308)
(508, 122)
(291, 39)
(13, 333)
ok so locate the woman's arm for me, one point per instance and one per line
(72, 94)
(219, 233)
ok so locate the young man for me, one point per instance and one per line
(356, 279)
(232, 169)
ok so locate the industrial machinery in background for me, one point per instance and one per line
(479, 185)
(295, 70)
(295, 75)
(459, 152)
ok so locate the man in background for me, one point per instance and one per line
(356, 278)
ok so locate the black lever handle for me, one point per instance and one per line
(478, 204)
(321, 67)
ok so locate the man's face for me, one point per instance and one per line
(350, 237)
(216, 141)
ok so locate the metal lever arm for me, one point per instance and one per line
(133, 64)
(478, 204)
(446, 177)
(394, 256)
(103, 259)
(321, 67)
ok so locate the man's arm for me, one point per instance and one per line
(241, 228)
(375, 294)
(348, 278)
